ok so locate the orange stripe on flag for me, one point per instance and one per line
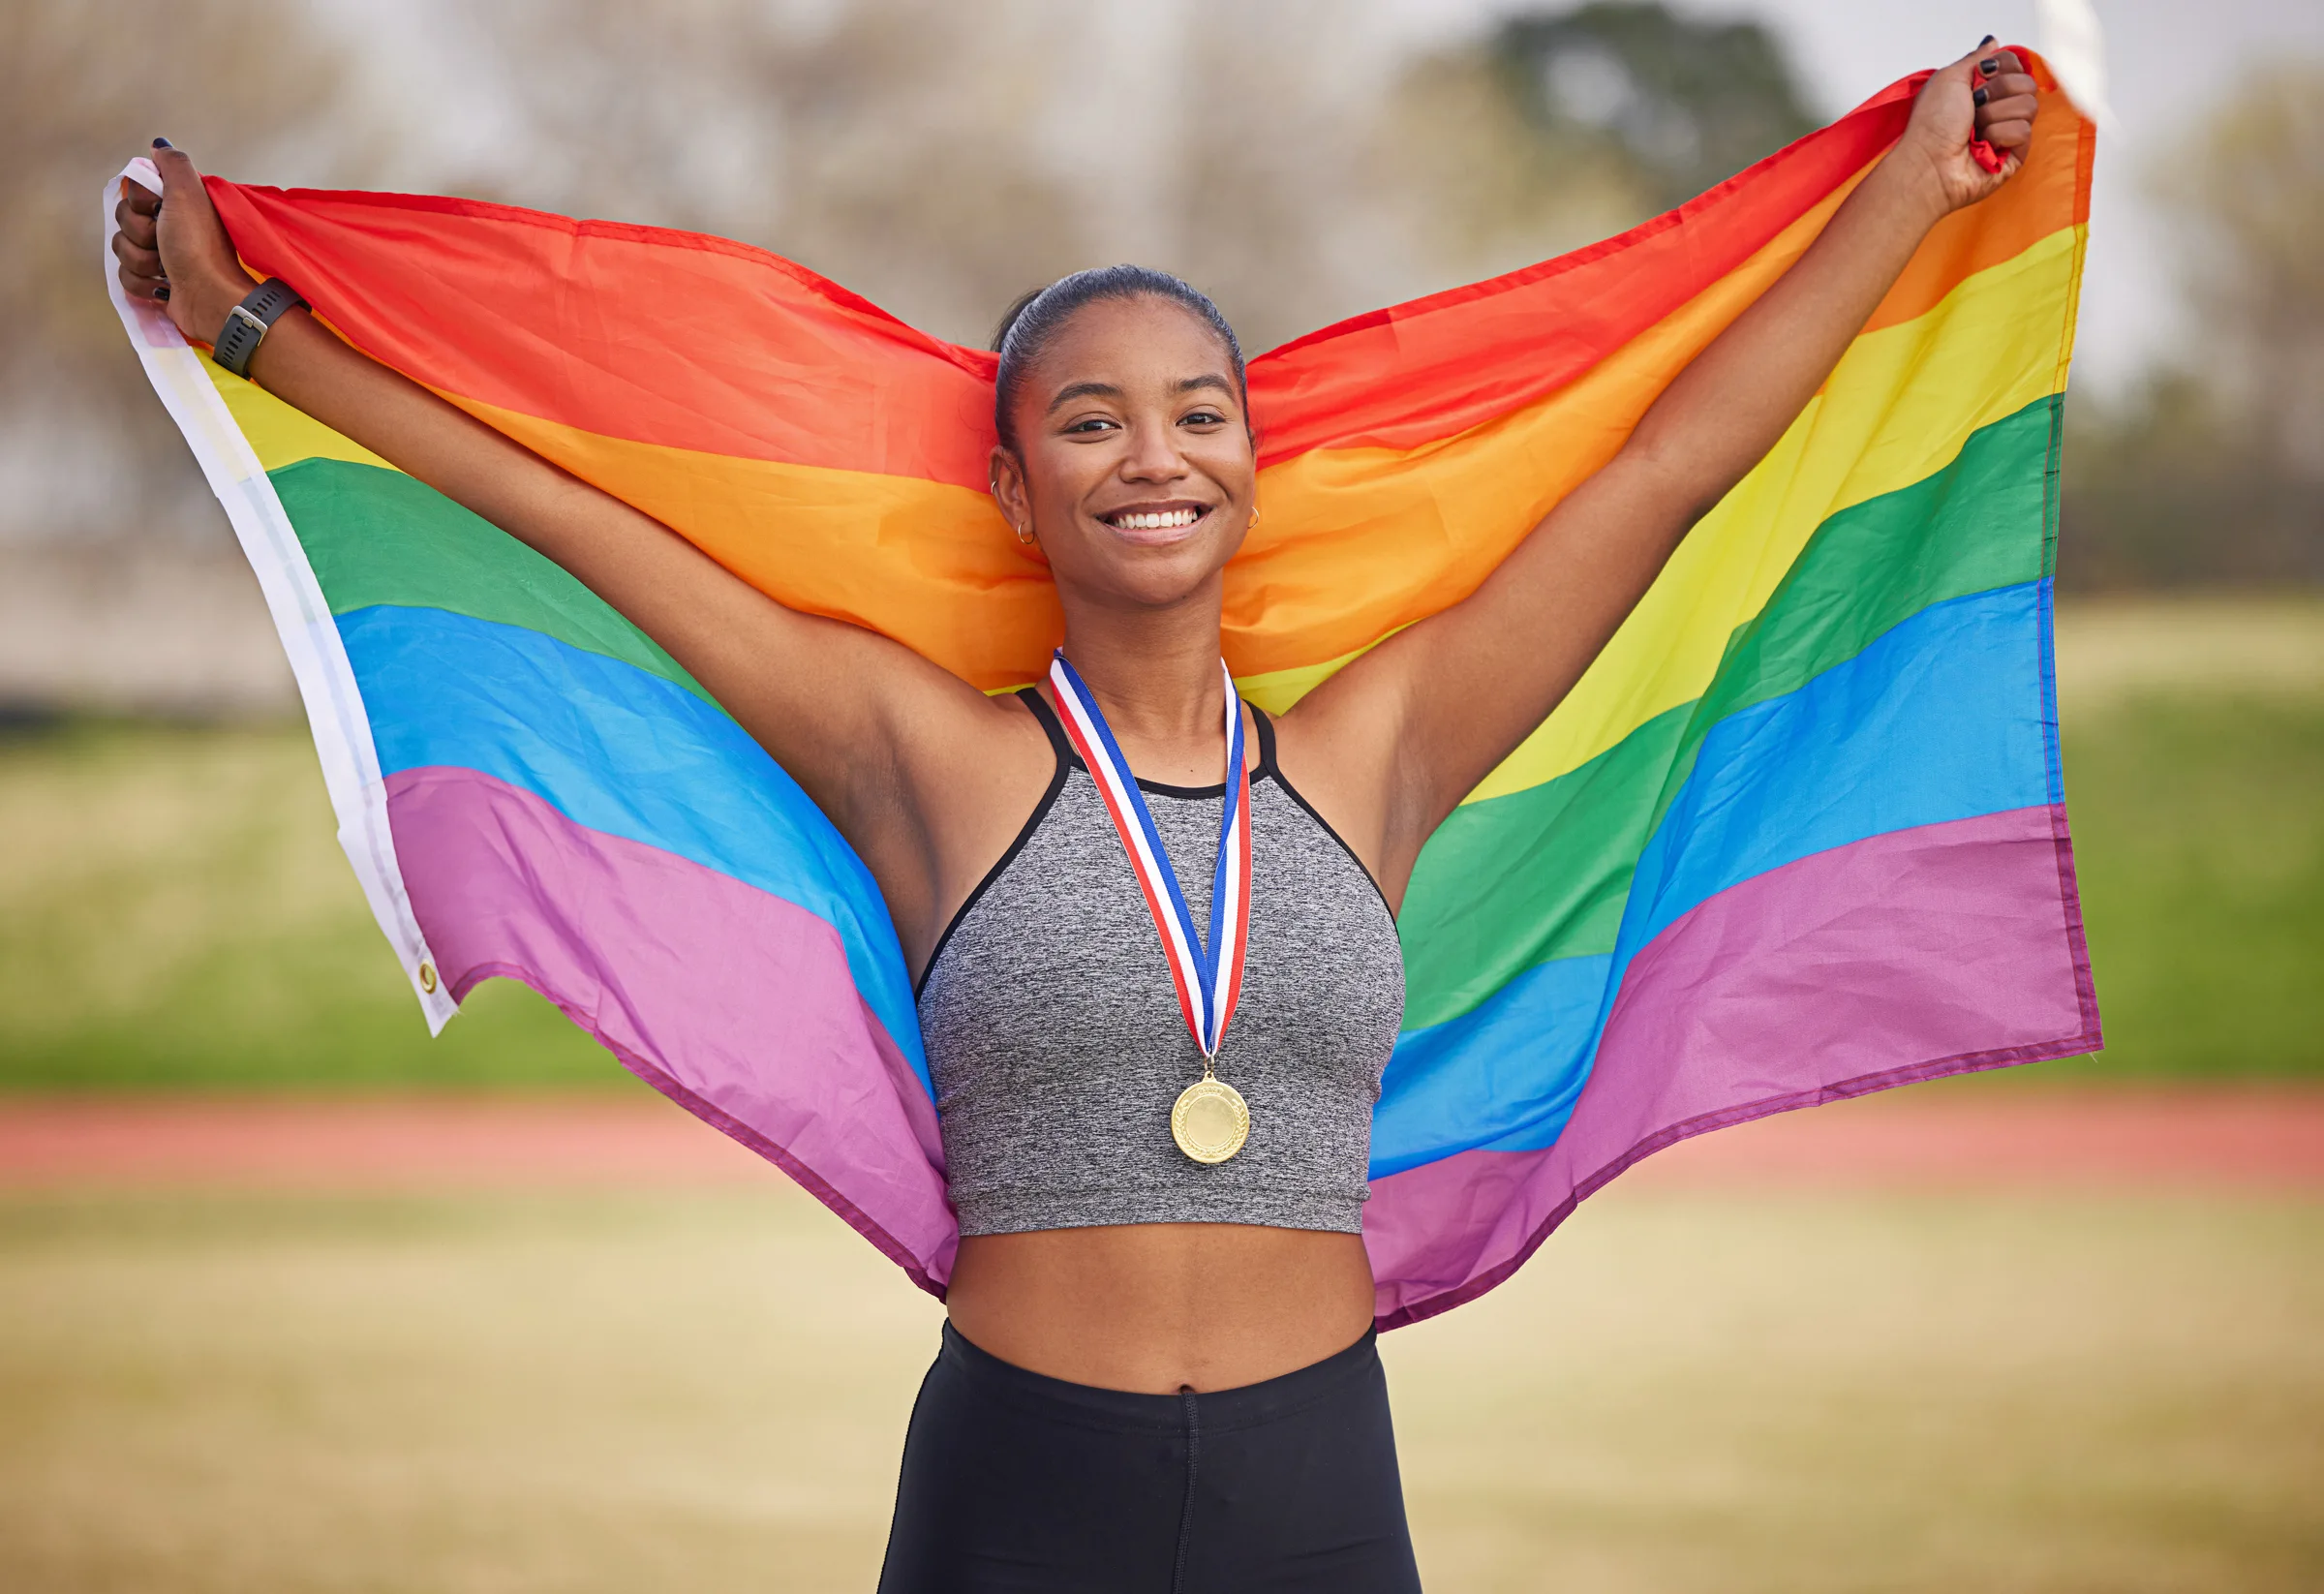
(930, 565)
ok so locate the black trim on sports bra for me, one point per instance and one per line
(1191, 794)
(1157, 788)
(1051, 725)
(1059, 744)
(1269, 766)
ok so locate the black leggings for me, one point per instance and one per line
(1020, 1483)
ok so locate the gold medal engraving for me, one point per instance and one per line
(1210, 1121)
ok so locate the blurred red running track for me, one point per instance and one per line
(2114, 1139)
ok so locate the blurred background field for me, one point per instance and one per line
(176, 912)
(566, 1381)
(1730, 1392)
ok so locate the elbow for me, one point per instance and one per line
(1677, 486)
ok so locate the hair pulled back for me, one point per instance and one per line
(1033, 322)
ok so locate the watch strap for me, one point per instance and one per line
(247, 323)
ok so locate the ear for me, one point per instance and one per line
(1007, 475)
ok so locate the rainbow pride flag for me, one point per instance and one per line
(1797, 834)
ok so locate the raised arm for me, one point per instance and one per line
(1396, 739)
(865, 725)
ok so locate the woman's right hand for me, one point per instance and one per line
(174, 249)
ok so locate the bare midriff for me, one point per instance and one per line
(1157, 1308)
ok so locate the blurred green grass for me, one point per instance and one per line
(2199, 839)
(175, 912)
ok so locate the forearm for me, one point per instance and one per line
(302, 363)
(756, 656)
(612, 548)
(1487, 671)
(1731, 404)
(712, 624)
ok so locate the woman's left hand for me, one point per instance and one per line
(1987, 94)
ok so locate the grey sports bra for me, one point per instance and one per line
(1056, 1047)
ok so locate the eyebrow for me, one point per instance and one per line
(1107, 390)
(1083, 389)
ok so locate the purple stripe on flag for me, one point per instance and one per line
(1919, 953)
(733, 1002)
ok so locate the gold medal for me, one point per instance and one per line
(1210, 1121)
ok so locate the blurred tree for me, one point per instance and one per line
(2212, 472)
(1274, 207)
(2167, 488)
(2252, 194)
(878, 141)
(1478, 190)
(1683, 103)
(941, 159)
(244, 83)
(1562, 128)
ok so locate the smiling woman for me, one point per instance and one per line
(1156, 977)
(1149, 449)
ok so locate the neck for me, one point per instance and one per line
(1154, 672)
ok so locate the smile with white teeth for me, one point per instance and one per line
(1154, 522)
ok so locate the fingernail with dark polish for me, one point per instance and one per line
(162, 293)
(1980, 97)
(1987, 40)
(163, 143)
(1989, 65)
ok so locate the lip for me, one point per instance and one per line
(1155, 535)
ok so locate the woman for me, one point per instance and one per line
(1158, 1369)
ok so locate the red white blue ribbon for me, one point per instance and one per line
(1208, 970)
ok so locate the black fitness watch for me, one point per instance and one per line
(247, 323)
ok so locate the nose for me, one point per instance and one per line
(1153, 455)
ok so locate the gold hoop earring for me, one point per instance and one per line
(1023, 536)
(1254, 520)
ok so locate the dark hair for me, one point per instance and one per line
(1034, 321)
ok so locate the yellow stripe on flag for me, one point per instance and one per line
(278, 434)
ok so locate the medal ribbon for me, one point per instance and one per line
(1208, 971)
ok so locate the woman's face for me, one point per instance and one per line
(1138, 471)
